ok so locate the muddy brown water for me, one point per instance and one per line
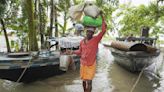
(109, 77)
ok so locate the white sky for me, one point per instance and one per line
(136, 2)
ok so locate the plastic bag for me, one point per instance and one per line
(64, 62)
(67, 63)
(89, 21)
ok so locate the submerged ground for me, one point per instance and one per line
(109, 78)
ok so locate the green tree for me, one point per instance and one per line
(108, 7)
(134, 17)
(63, 6)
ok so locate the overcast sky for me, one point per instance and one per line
(136, 2)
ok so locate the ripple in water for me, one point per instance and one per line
(109, 77)
(160, 71)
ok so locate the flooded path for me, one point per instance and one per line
(109, 78)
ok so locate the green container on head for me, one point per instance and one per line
(89, 21)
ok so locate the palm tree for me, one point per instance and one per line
(64, 6)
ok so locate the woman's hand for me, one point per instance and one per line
(103, 19)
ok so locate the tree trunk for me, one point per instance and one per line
(6, 37)
(33, 46)
(157, 11)
(51, 19)
(35, 12)
(56, 21)
(41, 24)
(65, 22)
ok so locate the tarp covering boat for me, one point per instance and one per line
(132, 46)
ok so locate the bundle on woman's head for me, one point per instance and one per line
(88, 14)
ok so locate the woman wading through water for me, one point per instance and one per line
(87, 50)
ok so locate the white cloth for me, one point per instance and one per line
(76, 12)
(70, 42)
(91, 9)
(79, 27)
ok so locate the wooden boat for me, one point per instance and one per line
(25, 68)
(134, 56)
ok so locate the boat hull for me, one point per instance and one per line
(31, 74)
(134, 61)
(38, 69)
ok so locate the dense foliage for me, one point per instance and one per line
(34, 20)
(133, 18)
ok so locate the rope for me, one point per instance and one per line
(139, 77)
(20, 77)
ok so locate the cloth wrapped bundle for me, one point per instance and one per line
(76, 12)
(91, 9)
(70, 42)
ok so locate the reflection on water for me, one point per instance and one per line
(109, 78)
(160, 71)
(124, 80)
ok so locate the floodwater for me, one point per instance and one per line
(109, 78)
